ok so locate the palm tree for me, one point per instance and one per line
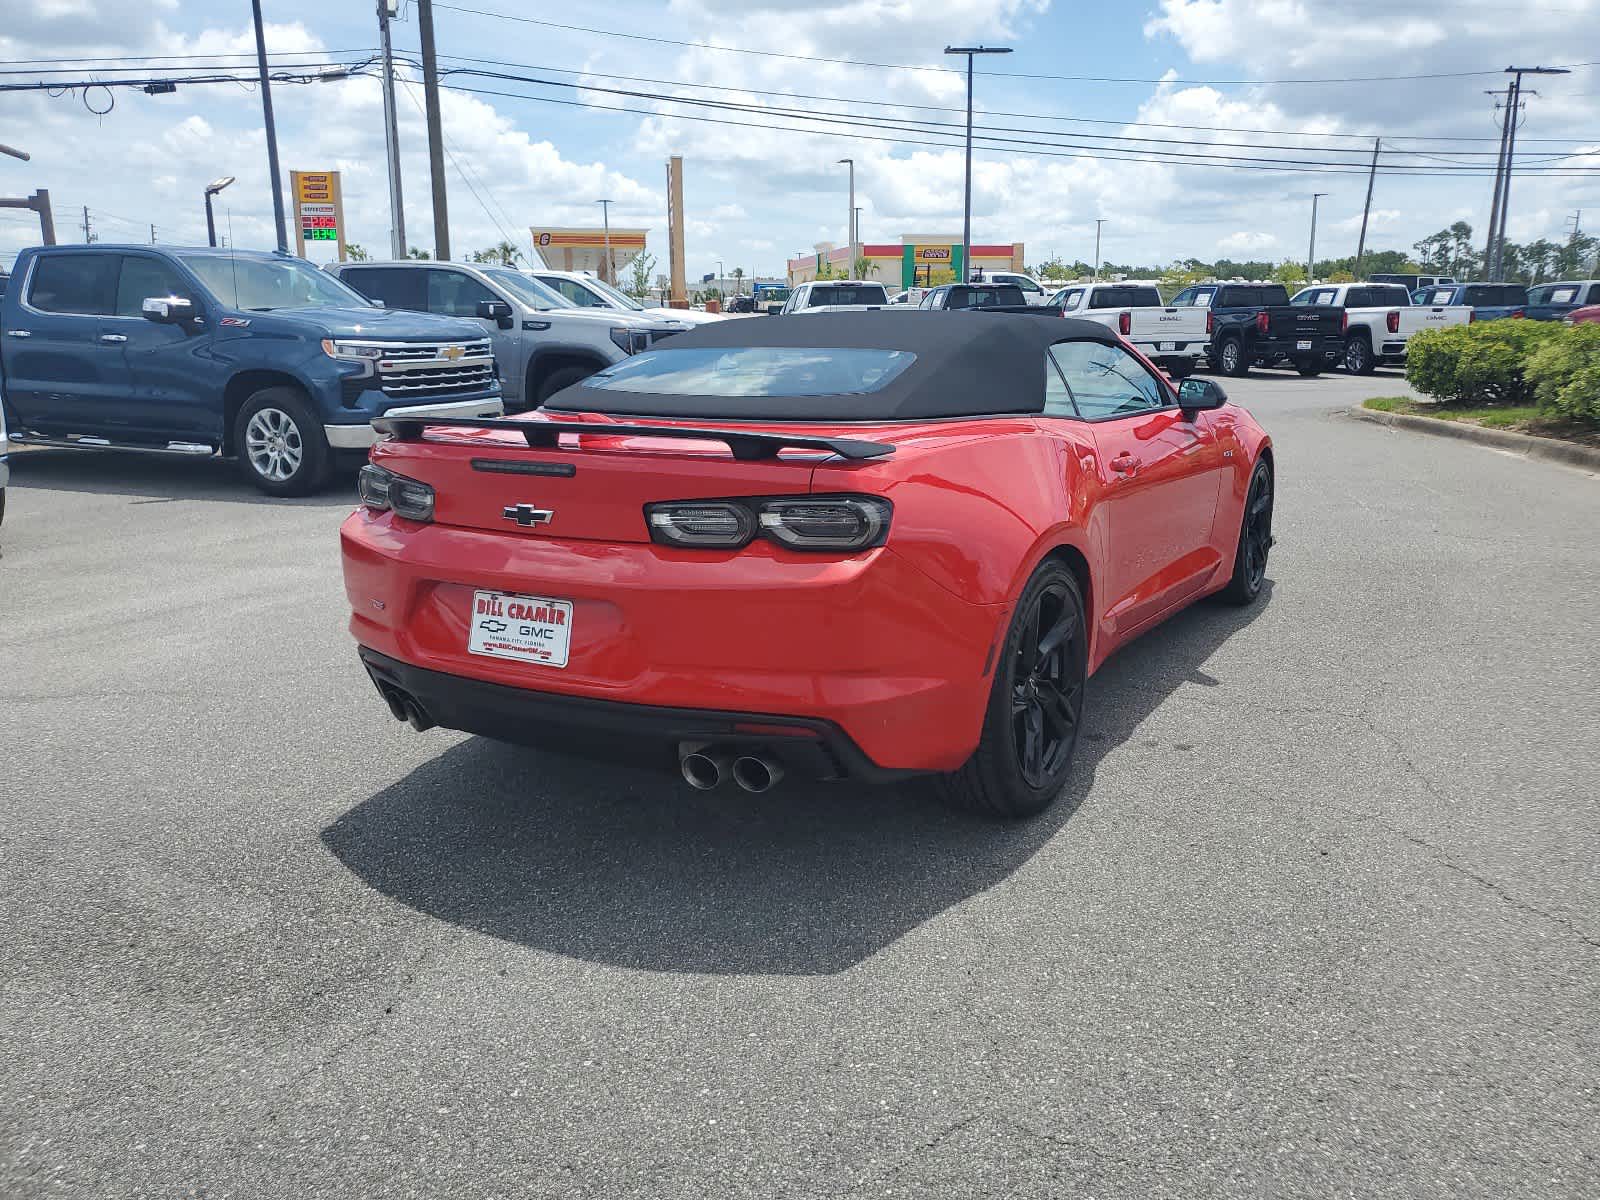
(738, 274)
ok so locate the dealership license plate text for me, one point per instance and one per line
(530, 629)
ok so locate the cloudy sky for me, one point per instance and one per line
(1264, 80)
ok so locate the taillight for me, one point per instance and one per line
(1472, 315)
(1518, 313)
(1344, 322)
(1394, 322)
(382, 490)
(798, 522)
(1211, 323)
(1263, 325)
(1124, 323)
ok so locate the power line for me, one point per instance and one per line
(150, 58)
(852, 62)
(1106, 153)
(1038, 116)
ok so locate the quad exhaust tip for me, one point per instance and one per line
(705, 767)
(756, 773)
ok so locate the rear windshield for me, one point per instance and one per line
(848, 294)
(1550, 293)
(1253, 295)
(1125, 297)
(985, 297)
(753, 372)
(1495, 294)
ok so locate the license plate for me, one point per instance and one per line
(529, 629)
(1168, 345)
(1306, 345)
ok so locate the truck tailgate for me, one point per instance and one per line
(1290, 321)
(1432, 316)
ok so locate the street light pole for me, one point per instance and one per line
(1098, 221)
(14, 152)
(272, 129)
(391, 137)
(850, 223)
(212, 188)
(610, 267)
(1311, 254)
(966, 219)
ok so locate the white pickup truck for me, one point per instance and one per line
(1379, 320)
(1173, 338)
(830, 295)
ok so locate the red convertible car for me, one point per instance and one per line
(863, 545)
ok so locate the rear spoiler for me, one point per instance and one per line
(747, 445)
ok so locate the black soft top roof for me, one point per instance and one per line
(968, 363)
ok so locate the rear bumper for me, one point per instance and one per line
(359, 437)
(868, 647)
(615, 730)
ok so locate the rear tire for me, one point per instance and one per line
(1232, 360)
(1358, 356)
(1309, 370)
(1178, 372)
(1255, 541)
(281, 446)
(563, 377)
(1035, 709)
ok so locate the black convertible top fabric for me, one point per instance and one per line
(967, 364)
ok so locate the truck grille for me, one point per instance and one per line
(410, 369)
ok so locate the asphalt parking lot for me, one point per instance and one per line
(1317, 917)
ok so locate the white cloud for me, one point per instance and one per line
(1245, 242)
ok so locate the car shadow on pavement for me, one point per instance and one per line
(633, 869)
(159, 477)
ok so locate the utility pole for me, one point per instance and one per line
(391, 137)
(152, 235)
(675, 262)
(88, 234)
(966, 220)
(1099, 221)
(1499, 183)
(430, 99)
(1311, 254)
(850, 223)
(610, 272)
(1513, 107)
(1366, 211)
(272, 129)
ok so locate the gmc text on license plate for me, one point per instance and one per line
(530, 629)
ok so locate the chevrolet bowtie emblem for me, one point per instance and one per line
(452, 352)
(527, 515)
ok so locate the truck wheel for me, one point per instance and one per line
(1358, 356)
(563, 377)
(280, 443)
(1232, 360)
(1178, 372)
(1309, 369)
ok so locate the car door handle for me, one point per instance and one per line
(1125, 464)
(20, 332)
(114, 338)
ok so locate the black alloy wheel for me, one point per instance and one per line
(1047, 686)
(1255, 540)
(1035, 706)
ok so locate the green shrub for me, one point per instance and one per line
(1564, 373)
(1481, 363)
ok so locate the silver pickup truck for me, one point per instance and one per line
(541, 340)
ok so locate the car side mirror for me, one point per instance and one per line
(1197, 395)
(497, 311)
(167, 310)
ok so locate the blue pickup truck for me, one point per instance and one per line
(255, 356)
(1554, 301)
(1488, 301)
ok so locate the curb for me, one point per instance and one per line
(1585, 458)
